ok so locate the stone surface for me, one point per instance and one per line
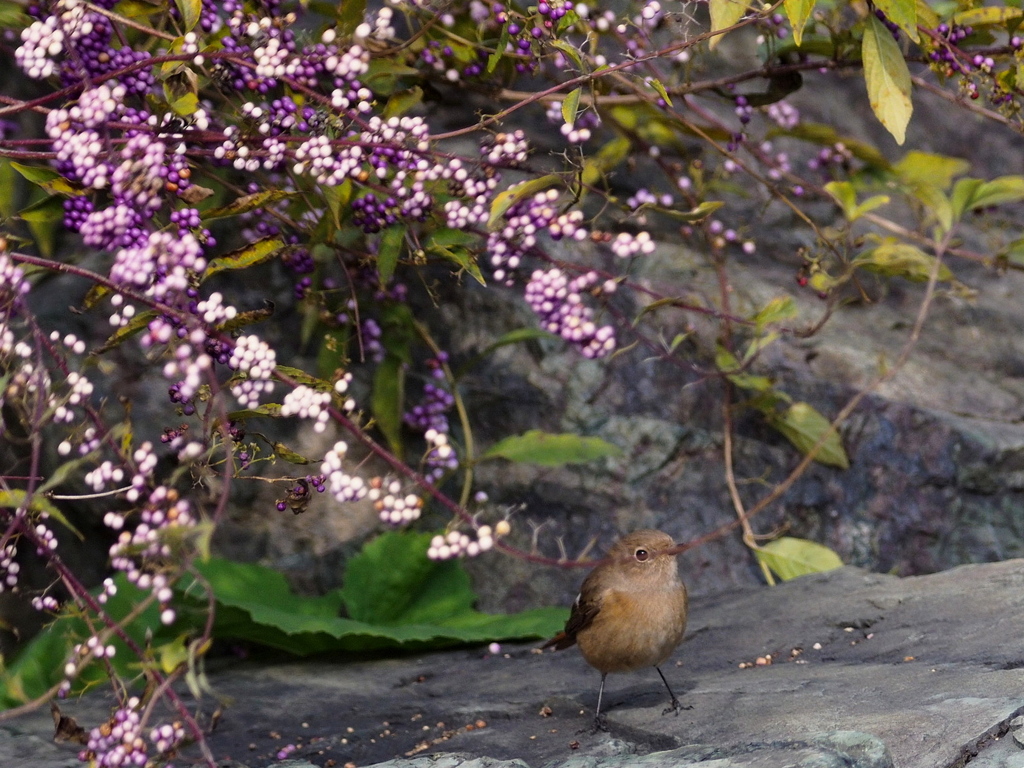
(927, 672)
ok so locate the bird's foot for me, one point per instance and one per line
(675, 706)
(600, 726)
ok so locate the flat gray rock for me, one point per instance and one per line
(856, 669)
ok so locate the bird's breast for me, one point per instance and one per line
(634, 629)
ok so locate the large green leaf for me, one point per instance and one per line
(887, 78)
(790, 557)
(550, 450)
(40, 665)
(392, 581)
(408, 601)
(395, 596)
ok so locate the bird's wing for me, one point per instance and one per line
(586, 607)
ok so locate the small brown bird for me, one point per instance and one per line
(631, 611)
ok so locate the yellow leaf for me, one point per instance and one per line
(724, 13)
(798, 11)
(887, 78)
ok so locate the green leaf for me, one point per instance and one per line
(267, 409)
(134, 326)
(392, 581)
(927, 176)
(247, 203)
(387, 400)
(803, 426)
(12, 14)
(40, 665)
(790, 557)
(433, 610)
(243, 258)
(401, 102)
(1014, 253)
(702, 211)
(569, 51)
(875, 201)
(337, 198)
(845, 195)
(775, 311)
(16, 498)
(333, 351)
(47, 178)
(385, 76)
(8, 189)
(350, 15)
(69, 469)
(980, 17)
(299, 376)
(499, 50)
(724, 13)
(928, 169)
(505, 200)
(727, 363)
(963, 194)
(798, 11)
(651, 125)
(827, 136)
(398, 326)
(657, 86)
(135, 9)
(464, 259)
(184, 105)
(1000, 191)
(245, 319)
(570, 106)
(446, 237)
(550, 450)
(190, 11)
(896, 259)
(47, 210)
(903, 13)
(605, 159)
(282, 451)
(391, 241)
(887, 78)
(926, 15)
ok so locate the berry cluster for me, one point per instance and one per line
(558, 303)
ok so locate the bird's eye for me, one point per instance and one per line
(641, 555)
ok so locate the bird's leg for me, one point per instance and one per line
(675, 706)
(600, 724)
